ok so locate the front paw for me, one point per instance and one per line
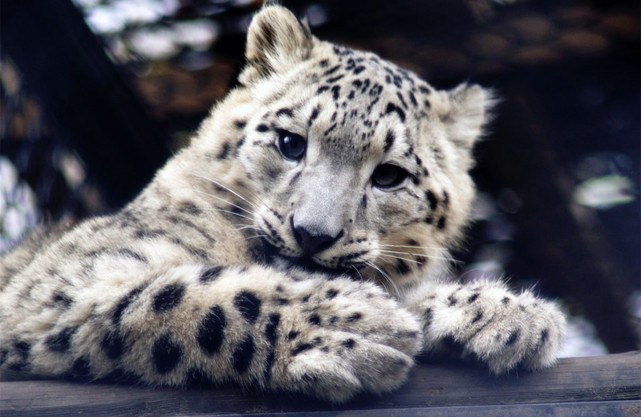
(499, 328)
(348, 338)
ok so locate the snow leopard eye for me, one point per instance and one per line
(291, 145)
(388, 176)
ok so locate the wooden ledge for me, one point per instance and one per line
(607, 385)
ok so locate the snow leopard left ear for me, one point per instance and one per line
(276, 40)
(467, 112)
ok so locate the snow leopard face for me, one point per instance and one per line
(356, 163)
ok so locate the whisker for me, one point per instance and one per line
(411, 247)
(440, 258)
(226, 188)
(249, 226)
(358, 272)
(225, 201)
(446, 257)
(256, 237)
(386, 277)
(399, 252)
(234, 213)
(400, 257)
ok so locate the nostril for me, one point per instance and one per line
(312, 242)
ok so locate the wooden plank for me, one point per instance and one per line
(612, 380)
(584, 409)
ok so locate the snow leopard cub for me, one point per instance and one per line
(295, 245)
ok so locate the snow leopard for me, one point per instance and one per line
(300, 242)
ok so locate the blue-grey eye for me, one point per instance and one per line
(291, 145)
(388, 176)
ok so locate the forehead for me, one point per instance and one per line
(351, 105)
(350, 75)
(371, 104)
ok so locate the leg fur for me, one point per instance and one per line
(255, 326)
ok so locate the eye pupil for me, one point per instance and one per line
(388, 175)
(291, 145)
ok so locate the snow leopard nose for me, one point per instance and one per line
(313, 240)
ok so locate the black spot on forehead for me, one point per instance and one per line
(342, 51)
(375, 90)
(313, 116)
(351, 63)
(336, 91)
(329, 130)
(391, 108)
(284, 112)
(409, 151)
(431, 198)
(400, 97)
(336, 78)
(359, 69)
(413, 99)
(366, 84)
(389, 141)
(332, 70)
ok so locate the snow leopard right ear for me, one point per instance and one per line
(276, 40)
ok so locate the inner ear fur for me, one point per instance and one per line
(467, 113)
(276, 40)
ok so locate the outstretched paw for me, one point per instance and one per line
(347, 338)
(499, 328)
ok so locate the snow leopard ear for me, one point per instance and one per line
(276, 40)
(467, 112)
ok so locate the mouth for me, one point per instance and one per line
(272, 255)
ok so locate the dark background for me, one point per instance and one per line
(86, 117)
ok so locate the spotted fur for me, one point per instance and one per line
(295, 245)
